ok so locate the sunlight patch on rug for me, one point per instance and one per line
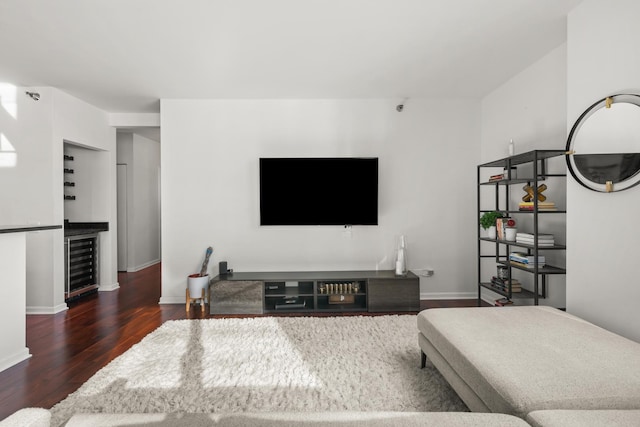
(265, 357)
(350, 363)
(155, 364)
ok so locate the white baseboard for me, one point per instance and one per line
(47, 310)
(173, 300)
(489, 300)
(490, 297)
(108, 288)
(14, 359)
(448, 295)
(143, 266)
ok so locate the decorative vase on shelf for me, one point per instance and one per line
(401, 258)
(491, 232)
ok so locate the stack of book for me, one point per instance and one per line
(502, 302)
(542, 206)
(504, 175)
(503, 285)
(525, 260)
(544, 240)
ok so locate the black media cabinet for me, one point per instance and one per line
(314, 292)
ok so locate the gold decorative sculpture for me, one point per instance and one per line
(531, 193)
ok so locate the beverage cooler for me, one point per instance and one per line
(81, 264)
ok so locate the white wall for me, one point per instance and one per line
(26, 192)
(603, 231)
(210, 151)
(24, 197)
(142, 157)
(13, 334)
(530, 108)
(80, 123)
(90, 187)
(34, 192)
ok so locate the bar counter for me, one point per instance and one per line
(13, 292)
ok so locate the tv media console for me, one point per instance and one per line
(314, 292)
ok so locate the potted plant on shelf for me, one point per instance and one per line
(488, 222)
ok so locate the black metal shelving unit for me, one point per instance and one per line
(538, 160)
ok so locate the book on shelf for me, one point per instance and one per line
(542, 206)
(502, 302)
(544, 240)
(506, 290)
(514, 281)
(516, 287)
(531, 240)
(525, 258)
(541, 244)
(545, 204)
(531, 236)
(504, 175)
(503, 285)
(526, 265)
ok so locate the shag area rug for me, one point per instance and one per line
(350, 363)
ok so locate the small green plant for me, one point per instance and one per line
(488, 219)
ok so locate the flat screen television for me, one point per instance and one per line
(319, 191)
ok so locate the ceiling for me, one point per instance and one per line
(124, 55)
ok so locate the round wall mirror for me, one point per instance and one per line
(603, 148)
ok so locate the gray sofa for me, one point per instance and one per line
(34, 417)
(517, 360)
(37, 417)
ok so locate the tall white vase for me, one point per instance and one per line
(401, 258)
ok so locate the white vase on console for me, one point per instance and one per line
(401, 258)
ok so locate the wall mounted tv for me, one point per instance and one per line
(319, 191)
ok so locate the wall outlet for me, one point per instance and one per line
(424, 272)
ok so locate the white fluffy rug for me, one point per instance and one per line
(267, 364)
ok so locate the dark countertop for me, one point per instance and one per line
(23, 228)
(79, 228)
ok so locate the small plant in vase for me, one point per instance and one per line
(488, 222)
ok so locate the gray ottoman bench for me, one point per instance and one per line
(585, 418)
(516, 360)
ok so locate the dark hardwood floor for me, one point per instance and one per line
(69, 347)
